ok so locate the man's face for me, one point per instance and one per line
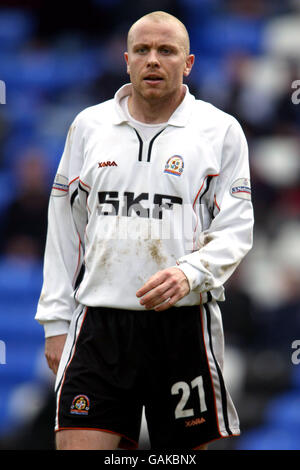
(157, 59)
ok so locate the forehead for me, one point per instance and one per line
(148, 31)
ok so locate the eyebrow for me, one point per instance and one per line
(160, 46)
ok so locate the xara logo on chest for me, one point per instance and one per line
(105, 164)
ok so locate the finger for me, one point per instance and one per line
(52, 364)
(157, 302)
(151, 284)
(157, 295)
(54, 367)
(172, 300)
(165, 305)
(48, 361)
(147, 287)
(162, 292)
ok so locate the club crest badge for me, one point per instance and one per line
(60, 186)
(241, 188)
(174, 165)
(80, 405)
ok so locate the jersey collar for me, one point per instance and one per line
(179, 118)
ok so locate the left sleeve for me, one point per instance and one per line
(64, 249)
(230, 234)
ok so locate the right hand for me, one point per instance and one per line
(53, 350)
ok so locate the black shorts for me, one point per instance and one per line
(116, 362)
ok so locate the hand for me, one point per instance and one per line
(53, 350)
(164, 289)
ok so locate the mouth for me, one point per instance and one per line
(153, 79)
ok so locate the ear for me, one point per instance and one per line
(189, 62)
(127, 61)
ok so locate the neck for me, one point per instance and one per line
(156, 110)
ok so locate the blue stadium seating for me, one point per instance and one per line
(7, 189)
(268, 437)
(284, 410)
(23, 337)
(16, 26)
(47, 70)
(221, 36)
(281, 428)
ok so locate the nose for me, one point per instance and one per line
(152, 59)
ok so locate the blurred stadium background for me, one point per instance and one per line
(55, 62)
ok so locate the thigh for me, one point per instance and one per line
(96, 390)
(86, 439)
(188, 396)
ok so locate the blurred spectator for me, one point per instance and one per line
(25, 227)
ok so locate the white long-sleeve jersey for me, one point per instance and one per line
(123, 208)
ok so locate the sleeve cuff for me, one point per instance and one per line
(56, 328)
(194, 276)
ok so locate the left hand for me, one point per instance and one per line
(164, 289)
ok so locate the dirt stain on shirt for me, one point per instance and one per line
(156, 254)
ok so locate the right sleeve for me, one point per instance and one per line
(64, 244)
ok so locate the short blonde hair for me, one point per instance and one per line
(162, 17)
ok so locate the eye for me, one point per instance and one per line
(167, 49)
(141, 50)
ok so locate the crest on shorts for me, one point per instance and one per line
(174, 165)
(80, 405)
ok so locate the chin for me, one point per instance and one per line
(153, 94)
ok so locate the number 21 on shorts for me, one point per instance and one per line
(185, 389)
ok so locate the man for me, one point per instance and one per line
(150, 213)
